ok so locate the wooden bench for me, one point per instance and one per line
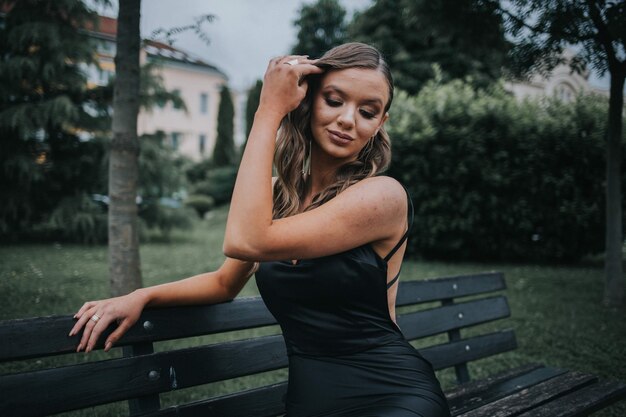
(141, 375)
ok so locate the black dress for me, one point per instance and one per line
(346, 356)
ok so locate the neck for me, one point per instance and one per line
(323, 173)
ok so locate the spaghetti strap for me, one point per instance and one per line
(393, 281)
(410, 214)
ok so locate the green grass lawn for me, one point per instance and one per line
(556, 310)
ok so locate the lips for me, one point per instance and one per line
(339, 137)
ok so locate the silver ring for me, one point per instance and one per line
(292, 62)
(95, 318)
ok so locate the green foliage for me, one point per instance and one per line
(495, 178)
(161, 172)
(76, 219)
(465, 39)
(43, 98)
(224, 152)
(199, 171)
(38, 176)
(164, 218)
(543, 28)
(252, 103)
(152, 91)
(200, 203)
(218, 184)
(161, 182)
(321, 26)
(42, 50)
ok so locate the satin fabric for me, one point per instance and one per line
(346, 356)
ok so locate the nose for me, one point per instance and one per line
(346, 117)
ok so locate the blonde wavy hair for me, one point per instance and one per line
(294, 137)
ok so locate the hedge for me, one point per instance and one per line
(501, 179)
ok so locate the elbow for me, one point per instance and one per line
(240, 249)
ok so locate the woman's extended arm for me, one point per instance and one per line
(208, 288)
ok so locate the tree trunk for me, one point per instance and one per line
(124, 267)
(614, 288)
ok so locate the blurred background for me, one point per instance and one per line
(506, 128)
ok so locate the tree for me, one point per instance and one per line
(42, 94)
(124, 264)
(252, 103)
(224, 152)
(464, 39)
(321, 26)
(542, 29)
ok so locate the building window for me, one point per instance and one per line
(565, 92)
(204, 103)
(175, 140)
(177, 106)
(202, 143)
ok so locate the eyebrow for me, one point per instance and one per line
(375, 100)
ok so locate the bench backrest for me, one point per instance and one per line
(141, 375)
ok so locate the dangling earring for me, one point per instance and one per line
(306, 162)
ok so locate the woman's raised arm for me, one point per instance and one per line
(373, 210)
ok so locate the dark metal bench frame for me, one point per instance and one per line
(141, 375)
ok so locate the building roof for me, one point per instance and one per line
(107, 29)
(160, 50)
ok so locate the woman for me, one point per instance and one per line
(326, 240)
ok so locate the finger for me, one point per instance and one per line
(306, 60)
(276, 60)
(89, 324)
(286, 58)
(82, 320)
(96, 331)
(117, 334)
(307, 69)
(84, 308)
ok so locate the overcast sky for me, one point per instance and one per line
(245, 35)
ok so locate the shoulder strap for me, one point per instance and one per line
(393, 281)
(410, 215)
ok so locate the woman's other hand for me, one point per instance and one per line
(95, 316)
(285, 85)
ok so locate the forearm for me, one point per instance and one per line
(250, 214)
(203, 288)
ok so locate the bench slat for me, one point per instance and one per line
(505, 387)
(454, 353)
(84, 385)
(437, 289)
(534, 396)
(582, 402)
(259, 402)
(46, 336)
(442, 319)
(474, 387)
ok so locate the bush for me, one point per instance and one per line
(218, 185)
(494, 178)
(200, 203)
(165, 218)
(75, 219)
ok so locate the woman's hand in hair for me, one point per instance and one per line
(285, 85)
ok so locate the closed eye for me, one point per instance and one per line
(367, 114)
(332, 103)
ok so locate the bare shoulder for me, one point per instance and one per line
(383, 187)
(384, 193)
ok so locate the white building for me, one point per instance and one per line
(191, 132)
(562, 82)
